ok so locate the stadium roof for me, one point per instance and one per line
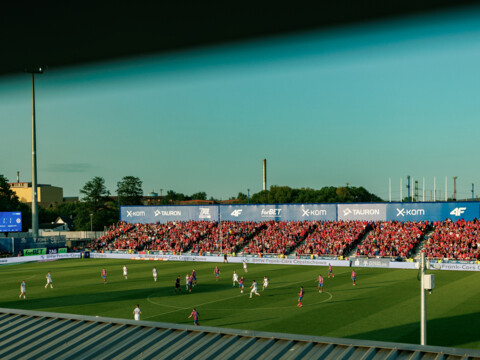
(67, 33)
(42, 335)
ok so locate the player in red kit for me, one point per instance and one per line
(354, 277)
(300, 296)
(330, 272)
(320, 283)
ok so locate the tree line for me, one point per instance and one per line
(97, 209)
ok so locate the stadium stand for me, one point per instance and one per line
(279, 237)
(333, 238)
(450, 240)
(392, 238)
(228, 237)
(43, 335)
(458, 240)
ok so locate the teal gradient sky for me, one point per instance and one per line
(359, 105)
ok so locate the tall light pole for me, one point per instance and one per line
(91, 221)
(455, 188)
(248, 196)
(33, 71)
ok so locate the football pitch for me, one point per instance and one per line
(383, 306)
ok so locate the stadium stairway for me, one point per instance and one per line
(353, 251)
(421, 244)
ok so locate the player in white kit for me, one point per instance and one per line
(154, 273)
(49, 280)
(23, 290)
(254, 289)
(245, 266)
(235, 278)
(125, 272)
(265, 282)
(137, 312)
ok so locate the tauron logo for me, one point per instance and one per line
(270, 212)
(131, 213)
(458, 211)
(410, 212)
(236, 213)
(205, 213)
(346, 212)
(168, 213)
(313, 212)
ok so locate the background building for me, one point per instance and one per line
(47, 195)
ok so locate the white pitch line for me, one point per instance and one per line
(178, 308)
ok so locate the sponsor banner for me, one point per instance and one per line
(48, 257)
(291, 212)
(433, 211)
(37, 251)
(366, 212)
(453, 266)
(371, 263)
(10, 221)
(163, 214)
(403, 265)
(279, 261)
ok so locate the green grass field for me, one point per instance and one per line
(383, 306)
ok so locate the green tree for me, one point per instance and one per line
(8, 199)
(327, 194)
(199, 196)
(130, 190)
(95, 193)
(9, 202)
(97, 209)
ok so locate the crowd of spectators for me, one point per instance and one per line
(227, 237)
(392, 238)
(450, 239)
(454, 240)
(278, 237)
(172, 236)
(107, 241)
(335, 238)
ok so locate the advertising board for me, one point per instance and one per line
(364, 212)
(281, 212)
(37, 251)
(433, 211)
(163, 214)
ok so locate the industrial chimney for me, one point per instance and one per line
(264, 174)
(18, 176)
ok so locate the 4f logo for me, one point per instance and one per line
(458, 211)
(236, 213)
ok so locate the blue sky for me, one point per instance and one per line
(359, 104)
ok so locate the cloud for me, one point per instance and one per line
(69, 168)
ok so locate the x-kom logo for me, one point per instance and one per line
(131, 213)
(413, 212)
(313, 212)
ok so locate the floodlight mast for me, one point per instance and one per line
(33, 71)
(423, 303)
